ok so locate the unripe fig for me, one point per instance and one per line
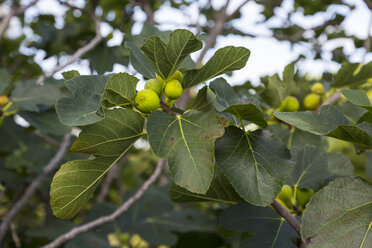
(155, 85)
(286, 193)
(161, 80)
(147, 100)
(311, 101)
(317, 88)
(177, 75)
(303, 196)
(3, 100)
(173, 89)
(290, 104)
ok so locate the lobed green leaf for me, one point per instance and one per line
(256, 164)
(340, 215)
(81, 108)
(226, 59)
(187, 142)
(108, 139)
(120, 90)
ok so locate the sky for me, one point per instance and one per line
(268, 56)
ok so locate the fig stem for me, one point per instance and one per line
(167, 109)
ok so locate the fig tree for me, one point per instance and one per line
(155, 85)
(317, 88)
(290, 104)
(311, 101)
(147, 100)
(173, 89)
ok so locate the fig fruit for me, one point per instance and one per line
(173, 89)
(311, 101)
(147, 100)
(155, 85)
(290, 104)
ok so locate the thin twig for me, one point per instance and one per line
(368, 3)
(237, 10)
(109, 218)
(80, 52)
(13, 12)
(2, 194)
(282, 211)
(218, 27)
(167, 109)
(111, 175)
(333, 98)
(15, 236)
(31, 189)
(46, 138)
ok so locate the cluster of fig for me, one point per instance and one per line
(291, 103)
(294, 198)
(312, 100)
(149, 98)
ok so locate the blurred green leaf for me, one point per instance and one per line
(4, 80)
(28, 96)
(358, 97)
(270, 229)
(329, 122)
(45, 121)
(352, 74)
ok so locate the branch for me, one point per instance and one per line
(111, 175)
(13, 12)
(219, 26)
(167, 109)
(333, 98)
(368, 3)
(109, 218)
(31, 189)
(282, 211)
(233, 14)
(15, 236)
(46, 138)
(79, 53)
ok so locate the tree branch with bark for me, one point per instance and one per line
(32, 188)
(81, 51)
(14, 11)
